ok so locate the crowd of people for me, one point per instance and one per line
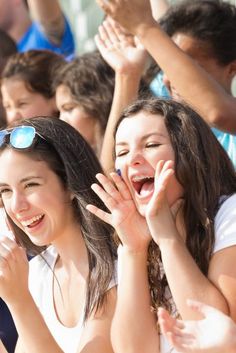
(117, 179)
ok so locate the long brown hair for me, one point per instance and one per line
(70, 157)
(206, 173)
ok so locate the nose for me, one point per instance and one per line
(135, 158)
(19, 203)
(12, 115)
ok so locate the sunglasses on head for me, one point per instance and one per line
(20, 137)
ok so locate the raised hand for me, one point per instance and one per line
(161, 218)
(14, 270)
(132, 14)
(130, 226)
(120, 50)
(216, 333)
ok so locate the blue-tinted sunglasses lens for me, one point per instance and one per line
(22, 137)
(3, 134)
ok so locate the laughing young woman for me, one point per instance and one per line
(44, 188)
(174, 209)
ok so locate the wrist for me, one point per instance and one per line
(143, 29)
(18, 304)
(123, 75)
(124, 250)
(168, 243)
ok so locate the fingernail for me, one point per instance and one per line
(118, 171)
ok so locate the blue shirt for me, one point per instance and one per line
(228, 141)
(34, 38)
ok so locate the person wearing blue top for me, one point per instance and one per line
(193, 27)
(40, 25)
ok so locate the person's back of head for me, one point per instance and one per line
(213, 22)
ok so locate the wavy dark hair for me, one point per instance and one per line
(205, 172)
(70, 157)
(37, 68)
(91, 82)
(211, 22)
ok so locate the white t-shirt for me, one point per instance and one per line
(225, 236)
(225, 224)
(41, 288)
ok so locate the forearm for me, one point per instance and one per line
(187, 281)
(32, 330)
(191, 82)
(126, 91)
(159, 8)
(133, 314)
(49, 15)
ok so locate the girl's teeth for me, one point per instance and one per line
(32, 220)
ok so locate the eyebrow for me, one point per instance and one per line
(24, 179)
(156, 134)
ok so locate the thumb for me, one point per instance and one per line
(200, 307)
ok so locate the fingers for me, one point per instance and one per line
(112, 35)
(174, 331)
(10, 254)
(181, 344)
(109, 194)
(121, 186)
(111, 32)
(201, 308)
(168, 323)
(164, 170)
(165, 318)
(104, 216)
(109, 187)
(163, 174)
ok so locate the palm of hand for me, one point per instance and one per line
(124, 56)
(130, 226)
(119, 49)
(213, 341)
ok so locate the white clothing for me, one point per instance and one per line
(225, 224)
(225, 236)
(41, 288)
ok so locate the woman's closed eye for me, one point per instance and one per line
(121, 153)
(153, 144)
(4, 191)
(31, 184)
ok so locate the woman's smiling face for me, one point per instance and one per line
(34, 197)
(142, 140)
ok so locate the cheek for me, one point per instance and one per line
(29, 111)
(174, 191)
(119, 166)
